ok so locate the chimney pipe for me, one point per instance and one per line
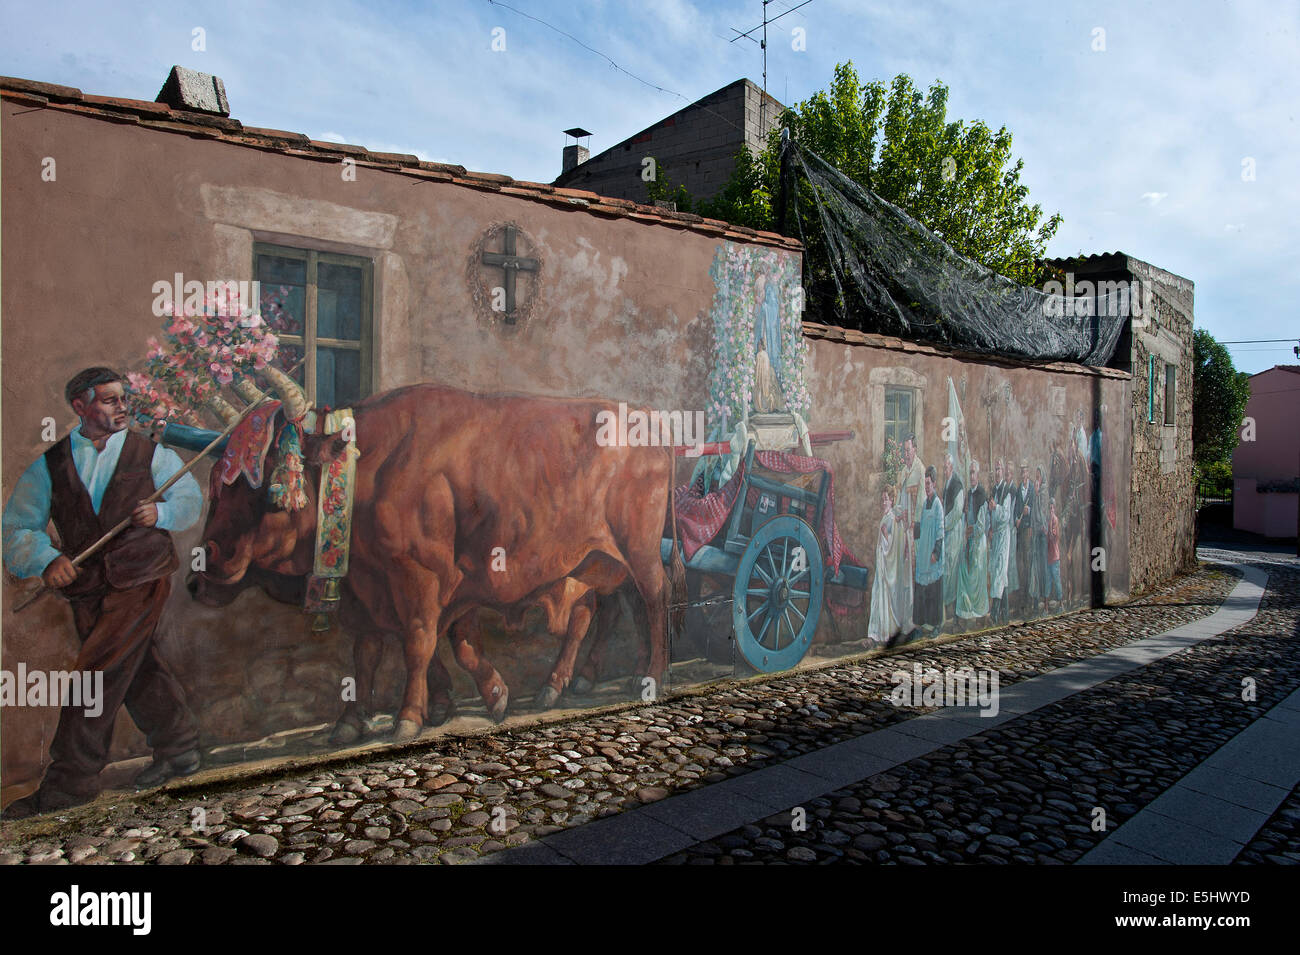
(575, 154)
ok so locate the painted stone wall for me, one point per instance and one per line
(525, 436)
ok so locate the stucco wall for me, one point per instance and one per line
(1270, 451)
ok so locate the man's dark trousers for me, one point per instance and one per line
(116, 628)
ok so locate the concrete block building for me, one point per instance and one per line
(695, 146)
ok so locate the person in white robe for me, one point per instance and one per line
(999, 546)
(883, 623)
(911, 483)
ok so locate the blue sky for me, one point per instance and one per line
(1140, 145)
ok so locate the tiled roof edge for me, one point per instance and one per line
(853, 336)
(159, 116)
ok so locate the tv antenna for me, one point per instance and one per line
(762, 108)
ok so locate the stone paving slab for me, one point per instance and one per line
(1214, 815)
(1235, 789)
(1114, 853)
(896, 746)
(782, 786)
(1171, 842)
(840, 764)
(629, 838)
(532, 853)
(777, 787)
(935, 729)
(705, 813)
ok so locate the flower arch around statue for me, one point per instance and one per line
(757, 305)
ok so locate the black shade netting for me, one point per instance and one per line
(894, 276)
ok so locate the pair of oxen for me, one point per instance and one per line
(464, 505)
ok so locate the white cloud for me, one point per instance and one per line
(1153, 198)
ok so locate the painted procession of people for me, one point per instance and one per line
(963, 552)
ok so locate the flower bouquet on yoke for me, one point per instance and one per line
(205, 348)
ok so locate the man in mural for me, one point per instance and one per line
(929, 558)
(98, 475)
(999, 546)
(1013, 564)
(1081, 436)
(1038, 548)
(954, 534)
(1024, 502)
(1063, 477)
(1053, 556)
(911, 483)
(973, 571)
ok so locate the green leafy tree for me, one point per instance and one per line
(661, 189)
(1219, 396)
(956, 178)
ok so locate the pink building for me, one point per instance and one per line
(1266, 464)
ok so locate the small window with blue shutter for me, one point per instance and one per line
(1151, 388)
(1171, 392)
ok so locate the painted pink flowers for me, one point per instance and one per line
(202, 349)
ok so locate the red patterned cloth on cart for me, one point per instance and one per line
(784, 462)
(701, 516)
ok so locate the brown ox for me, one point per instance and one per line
(444, 478)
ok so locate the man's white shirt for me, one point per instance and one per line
(27, 547)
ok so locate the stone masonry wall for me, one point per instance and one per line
(1162, 521)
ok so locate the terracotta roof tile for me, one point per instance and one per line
(46, 89)
(339, 148)
(835, 333)
(405, 159)
(486, 176)
(576, 193)
(176, 126)
(132, 105)
(275, 134)
(443, 167)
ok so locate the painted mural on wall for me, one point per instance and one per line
(410, 516)
(550, 551)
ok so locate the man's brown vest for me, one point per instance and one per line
(136, 555)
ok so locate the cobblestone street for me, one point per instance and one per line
(1025, 790)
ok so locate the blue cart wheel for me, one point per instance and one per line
(777, 595)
